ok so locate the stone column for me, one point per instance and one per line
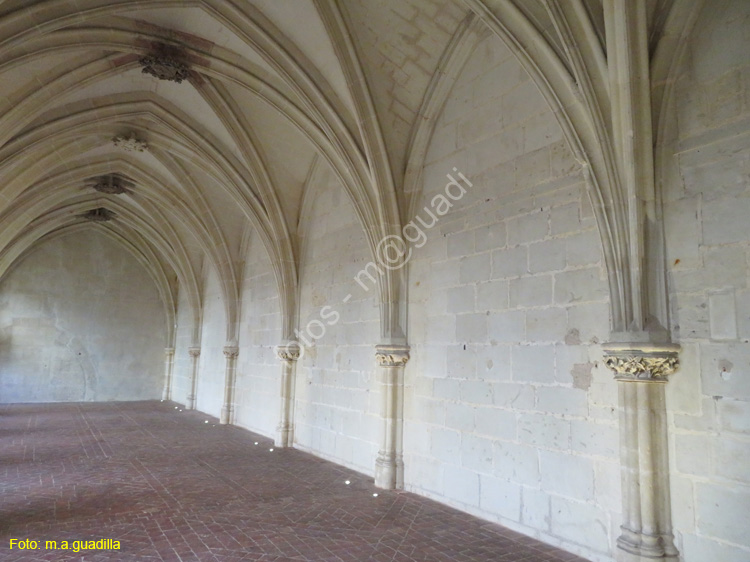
(389, 466)
(641, 371)
(195, 353)
(288, 353)
(166, 394)
(227, 410)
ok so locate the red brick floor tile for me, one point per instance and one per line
(171, 487)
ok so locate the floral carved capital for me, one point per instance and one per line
(231, 351)
(392, 356)
(288, 352)
(642, 362)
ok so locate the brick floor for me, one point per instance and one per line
(169, 486)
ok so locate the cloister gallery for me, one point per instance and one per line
(489, 255)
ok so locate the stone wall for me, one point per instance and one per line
(211, 370)
(258, 369)
(181, 382)
(337, 409)
(706, 205)
(510, 414)
(80, 320)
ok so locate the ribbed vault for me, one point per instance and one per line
(263, 86)
(187, 130)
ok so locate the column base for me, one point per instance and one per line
(190, 402)
(284, 436)
(389, 472)
(625, 556)
(165, 395)
(639, 547)
(225, 418)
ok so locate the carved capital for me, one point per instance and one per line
(392, 355)
(288, 352)
(169, 351)
(194, 351)
(642, 362)
(231, 351)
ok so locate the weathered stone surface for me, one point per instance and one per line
(86, 324)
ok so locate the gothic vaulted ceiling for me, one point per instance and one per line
(181, 127)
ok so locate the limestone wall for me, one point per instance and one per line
(211, 371)
(181, 383)
(258, 369)
(337, 408)
(707, 205)
(510, 414)
(80, 320)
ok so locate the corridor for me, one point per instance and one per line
(175, 485)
